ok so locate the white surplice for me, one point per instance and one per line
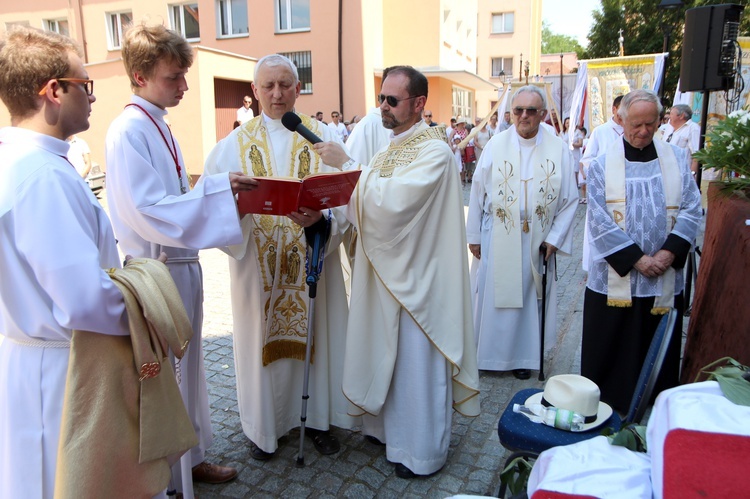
(150, 215)
(55, 241)
(410, 355)
(508, 338)
(270, 397)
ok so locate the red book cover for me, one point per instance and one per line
(283, 195)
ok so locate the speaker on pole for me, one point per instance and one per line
(709, 47)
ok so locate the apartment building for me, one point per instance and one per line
(340, 48)
(509, 42)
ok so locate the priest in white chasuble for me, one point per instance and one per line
(270, 300)
(522, 205)
(644, 212)
(410, 356)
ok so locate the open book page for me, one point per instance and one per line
(283, 195)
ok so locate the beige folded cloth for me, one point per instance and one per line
(124, 422)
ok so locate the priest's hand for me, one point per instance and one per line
(241, 182)
(332, 154)
(551, 249)
(665, 257)
(476, 250)
(305, 217)
(650, 266)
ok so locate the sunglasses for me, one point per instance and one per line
(88, 85)
(530, 111)
(393, 101)
(428, 116)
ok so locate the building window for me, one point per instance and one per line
(118, 22)
(502, 23)
(303, 62)
(504, 64)
(185, 20)
(58, 26)
(293, 15)
(231, 17)
(462, 99)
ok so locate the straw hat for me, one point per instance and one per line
(574, 393)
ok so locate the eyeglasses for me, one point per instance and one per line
(530, 111)
(88, 85)
(393, 101)
(428, 116)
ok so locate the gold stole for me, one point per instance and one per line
(507, 193)
(618, 288)
(280, 244)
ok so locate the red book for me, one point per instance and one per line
(283, 195)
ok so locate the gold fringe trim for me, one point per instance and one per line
(285, 349)
(612, 302)
(659, 310)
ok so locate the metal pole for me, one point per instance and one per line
(543, 253)
(562, 112)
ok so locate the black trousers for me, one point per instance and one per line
(615, 343)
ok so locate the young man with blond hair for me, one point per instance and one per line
(55, 243)
(153, 209)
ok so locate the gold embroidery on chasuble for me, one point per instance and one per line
(280, 244)
(406, 153)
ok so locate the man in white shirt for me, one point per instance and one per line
(80, 155)
(56, 246)
(245, 113)
(600, 139)
(153, 209)
(685, 133)
(337, 127)
(522, 205)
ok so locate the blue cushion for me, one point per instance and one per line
(517, 432)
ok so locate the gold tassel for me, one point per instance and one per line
(659, 310)
(285, 349)
(611, 302)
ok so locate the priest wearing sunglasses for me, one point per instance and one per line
(410, 356)
(522, 205)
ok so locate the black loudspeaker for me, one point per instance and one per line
(709, 47)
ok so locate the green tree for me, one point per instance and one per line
(644, 26)
(554, 43)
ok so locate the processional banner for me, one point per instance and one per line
(601, 80)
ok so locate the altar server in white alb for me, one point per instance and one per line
(153, 208)
(522, 205)
(270, 300)
(55, 244)
(410, 356)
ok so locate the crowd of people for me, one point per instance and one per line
(401, 327)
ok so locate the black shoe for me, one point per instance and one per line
(522, 373)
(404, 472)
(258, 453)
(373, 440)
(324, 442)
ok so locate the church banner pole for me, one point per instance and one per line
(313, 266)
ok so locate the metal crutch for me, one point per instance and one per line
(313, 266)
(543, 253)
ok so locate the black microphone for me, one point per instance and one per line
(293, 123)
